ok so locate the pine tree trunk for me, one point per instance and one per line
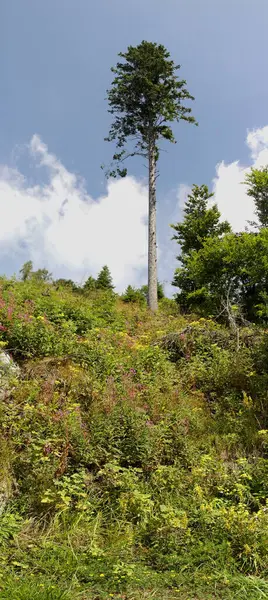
(152, 247)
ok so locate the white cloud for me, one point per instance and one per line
(182, 194)
(64, 228)
(230, 194)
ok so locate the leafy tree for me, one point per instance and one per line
(146, 95)
(41, 275)
(26, 270)
(66, 283)
(90, 284)
(257, 182)
(200, 221)
(104, 280)
(226, 272)
(38, 276)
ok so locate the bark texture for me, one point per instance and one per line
(152, 246)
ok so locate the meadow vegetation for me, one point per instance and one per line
(133, 449)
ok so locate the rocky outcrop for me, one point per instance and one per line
(8, 370)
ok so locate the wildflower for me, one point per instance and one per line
(47, 449)
(9, 312)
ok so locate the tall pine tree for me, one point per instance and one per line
(146, 95)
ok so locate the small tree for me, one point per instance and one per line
(257, 182)
(66, 283)
(104, 280)
(41, 275)
(133, 295)
(90, 284)
(160, 291)
(26, 270)
(145, 97)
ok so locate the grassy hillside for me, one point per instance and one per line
(133, 451)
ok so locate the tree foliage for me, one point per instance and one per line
(66, 283)
(145, 96)
(26, 270)
(257, 188)
(90, 284)
(160, 291)
(200, 221)
(225, 272)
(104, 280)
(41, 275)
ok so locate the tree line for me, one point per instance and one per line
(222, 274)
(103, 281)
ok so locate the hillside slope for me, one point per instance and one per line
(133, 451)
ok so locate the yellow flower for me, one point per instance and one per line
(102, 575)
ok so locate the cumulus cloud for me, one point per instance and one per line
(230, 193)
(58, 225)
(230, 196)
(182, 194)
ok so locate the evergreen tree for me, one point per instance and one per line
(90, 284)
(200, 221)
(133, 295)
(104, 280)
(146, 95)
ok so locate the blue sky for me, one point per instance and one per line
(55, 64)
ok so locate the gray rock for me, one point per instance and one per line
(8, 370)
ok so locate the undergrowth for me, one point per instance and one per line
(133, 451)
